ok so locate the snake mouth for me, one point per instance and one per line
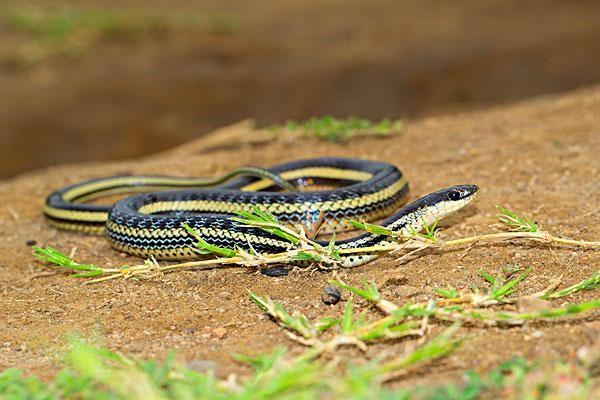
(474, 193)
(467, 193)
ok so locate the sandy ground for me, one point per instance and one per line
(539, 157)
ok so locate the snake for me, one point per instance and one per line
(328, 192)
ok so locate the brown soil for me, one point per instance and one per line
(539, 157)
(126, 97)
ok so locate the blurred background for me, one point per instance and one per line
(99, 80)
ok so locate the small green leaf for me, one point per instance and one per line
(326, 323)
(487, 276)
(449, 292)
(206, 248)
(368, 292)
(347, 325)
(508, 287)
(371, 228)
(304, 256)
(87, 274)
(265, 221)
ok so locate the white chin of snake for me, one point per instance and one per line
(436, 213)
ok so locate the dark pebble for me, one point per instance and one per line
(331, 295)
(31, 242)
(275, 272)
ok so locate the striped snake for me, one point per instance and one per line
(324, 190)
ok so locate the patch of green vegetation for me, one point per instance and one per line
(97, 373)
(70, 30)
(224, 24)
(69, 27)
(59, 24)
(519, 379)
(341, 130)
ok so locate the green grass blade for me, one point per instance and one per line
(371, 228)
(508, 287)
(207, 248)
(516, 223)
(589, 283)
(369, 292)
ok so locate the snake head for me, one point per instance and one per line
(464, 193)
(454, 198)
(440, 204)
(449, 200)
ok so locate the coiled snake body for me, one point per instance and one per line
(330, 190)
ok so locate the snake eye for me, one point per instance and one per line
(455, 195)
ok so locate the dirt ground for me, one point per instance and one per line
(538, 157)
(129, 96)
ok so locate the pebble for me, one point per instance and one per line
(31, 242)
(272, 272)
(331, 295)
(220, 332)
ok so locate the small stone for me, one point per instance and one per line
(220, 332)
(331, 295)
(273, 272)
(31, 242)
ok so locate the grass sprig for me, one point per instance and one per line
(516, 223)
(304, 249)
(267, 222)
(475, 307)
(501, 289)
(352, 330)
(297, 322)
(59, 259)
(206, 248)
(440, 346)
(588, 284)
